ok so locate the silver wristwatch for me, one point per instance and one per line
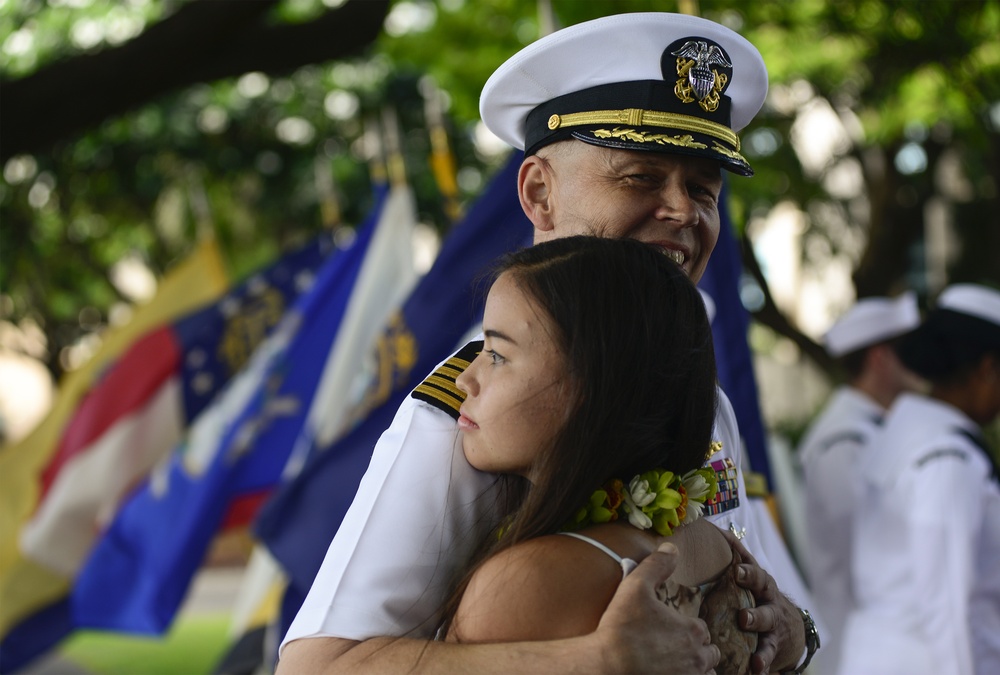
(812, 639)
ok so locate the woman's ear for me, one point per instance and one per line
(534, 190)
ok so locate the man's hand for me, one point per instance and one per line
(781, 639)
(643, 634)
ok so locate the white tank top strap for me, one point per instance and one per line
(627, 564)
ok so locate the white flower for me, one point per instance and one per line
(635, 515)
(696, 486)
(638, 490)
(640, 519)
(693, 512)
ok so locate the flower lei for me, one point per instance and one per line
(657, 499)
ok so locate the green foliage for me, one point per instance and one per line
(35, 32)
(241, 156)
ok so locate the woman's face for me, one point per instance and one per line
(518, 388)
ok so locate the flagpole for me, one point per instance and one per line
(546, 18)
(395, 164)
(442, 160)
(374, 148)
(198, 202)
(688, 7)
(326, 189)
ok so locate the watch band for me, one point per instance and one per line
(812, 640)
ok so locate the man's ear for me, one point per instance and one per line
(534, 190)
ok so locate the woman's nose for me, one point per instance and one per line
(466, 381)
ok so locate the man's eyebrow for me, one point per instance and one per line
(491, 333)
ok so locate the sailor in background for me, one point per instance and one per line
(926, 560)
(863, 342)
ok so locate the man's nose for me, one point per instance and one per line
(676, 206)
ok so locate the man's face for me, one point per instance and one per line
(666, 200)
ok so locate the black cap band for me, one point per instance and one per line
(641, 115)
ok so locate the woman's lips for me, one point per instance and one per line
(466, 424)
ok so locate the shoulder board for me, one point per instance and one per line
(939, 454)
(841, 437)
(728, 496)
(439, 388)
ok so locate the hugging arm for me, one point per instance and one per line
(637, 633)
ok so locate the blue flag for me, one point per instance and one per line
(139, 573)
(299, 521)
(729, 332)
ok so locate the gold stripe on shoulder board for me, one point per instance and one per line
(439, 389)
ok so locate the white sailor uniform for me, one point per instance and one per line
(926, 561)
(830, 453)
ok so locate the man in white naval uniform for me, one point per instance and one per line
(862, 341)
(626, 122)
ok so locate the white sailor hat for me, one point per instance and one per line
(871, 321)
(645, 81)
(972, 311)
(965, 320)
(977, 301)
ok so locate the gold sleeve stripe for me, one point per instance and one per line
(439, 389)
(448, 384)
(450, 402)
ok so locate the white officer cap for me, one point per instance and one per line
(978, 301)
(646, 81)
(870, 321)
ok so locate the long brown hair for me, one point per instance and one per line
(639, 350)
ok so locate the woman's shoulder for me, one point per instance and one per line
(704, 552)
(545, 588)
(559, 586)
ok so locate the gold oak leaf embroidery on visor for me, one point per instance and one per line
(685, 141)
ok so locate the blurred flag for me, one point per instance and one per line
(26, 587)
(140, 570)
(129, 420)
(139, 410)
(385, 281)
(721, 282)
(299, 521)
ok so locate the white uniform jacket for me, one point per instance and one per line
(926, 558)
(420, 511)
(830, 454)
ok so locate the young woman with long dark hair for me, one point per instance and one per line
(594, 397)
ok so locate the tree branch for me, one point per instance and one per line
(202, 42)
(773, 318)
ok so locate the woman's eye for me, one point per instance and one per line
(495, 358)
